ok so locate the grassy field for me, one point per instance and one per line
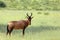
(31, 4)
(45, 25)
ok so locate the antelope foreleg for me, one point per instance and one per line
(23, 32)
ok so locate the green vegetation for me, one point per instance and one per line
(2, 4)
(46, 13)
(44, 27)
(45, 24)
(32, 4)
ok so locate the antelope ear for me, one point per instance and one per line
(31, 14)
(32, 17)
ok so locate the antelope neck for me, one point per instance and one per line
(29, 21)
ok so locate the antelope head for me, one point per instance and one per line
(29, 17)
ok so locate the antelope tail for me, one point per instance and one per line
(7, 29)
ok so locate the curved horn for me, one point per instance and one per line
(27, 14)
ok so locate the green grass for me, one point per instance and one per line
(32, 4)
(44, 27)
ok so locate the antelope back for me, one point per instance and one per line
(19, 24)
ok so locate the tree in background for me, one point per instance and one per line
(2, 4)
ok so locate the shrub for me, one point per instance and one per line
(39, 13)
(46, 13)
(2, 4)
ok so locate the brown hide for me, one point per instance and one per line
(18, 24)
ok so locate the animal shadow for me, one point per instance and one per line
(42, 28)
(32, 29)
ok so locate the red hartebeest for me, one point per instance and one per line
(21, 24)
